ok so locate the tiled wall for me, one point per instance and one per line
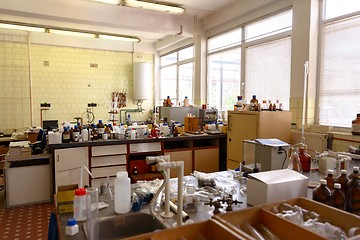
(68, 78)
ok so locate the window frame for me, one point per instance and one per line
(177, 63)
(244, 44)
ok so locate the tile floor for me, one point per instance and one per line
(27, 222)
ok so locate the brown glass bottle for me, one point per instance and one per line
(338, 197)
(66, 135)
(330, 179)
(355, 127)
(353, 193)
(343, 180)
(95, 133)
(322, 193)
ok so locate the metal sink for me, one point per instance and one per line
(127, 225)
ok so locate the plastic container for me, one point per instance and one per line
(85, 135)
(80, 204)
(105, 136)
(322, 193)
(355, 127)
(122, 192)
(133, 133)
(71, 228)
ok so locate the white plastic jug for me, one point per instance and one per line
(122, 192)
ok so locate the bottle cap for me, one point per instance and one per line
(71, 222)
(100, 121)
(337, 185)
(80, 192)
(186, 97)
(343, 171)
(330, 171)
(75, 127)
(323, 181)
(356, 168)
(122, 174)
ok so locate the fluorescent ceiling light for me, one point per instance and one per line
(71, 33)
(113, 2)
(155, 6)
(120, 38)
(21, 27)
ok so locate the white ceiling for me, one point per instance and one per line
(148, 25)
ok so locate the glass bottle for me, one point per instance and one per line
(66, 135)
(338, 197)
(254, 103)
(322, 193)
(342, 179)
(95, 133)
(270, 105)
(294, 161)
(353, 193)
(264, 106)
(355, 127)
(76, 133)
(330, 179)
(239, 103)
(305, 160)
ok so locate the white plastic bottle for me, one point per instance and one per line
(186, 102)
(133, 133)
(122, 192)
(85, 135)
(80, 204)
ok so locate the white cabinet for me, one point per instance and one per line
(107, 161)
(68, 164)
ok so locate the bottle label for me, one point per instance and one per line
(355, 127)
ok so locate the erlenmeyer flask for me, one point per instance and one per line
(294, 161)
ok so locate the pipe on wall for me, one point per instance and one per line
(30, 82)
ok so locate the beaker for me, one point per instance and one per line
(294, 161)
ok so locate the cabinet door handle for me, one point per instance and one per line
(229, 122)
(229, 139)
(57, 158)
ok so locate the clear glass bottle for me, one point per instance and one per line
(330, 179)
(322, 193)
(294, 161)
(342, 179)
(338, 197)
(353, 193)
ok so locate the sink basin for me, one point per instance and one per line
(127, 225)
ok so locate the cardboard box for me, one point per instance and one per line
(274, 186)
(65, 198)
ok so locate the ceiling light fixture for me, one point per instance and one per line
(155, 6)
(72, 33)
(66, 31)
(21, 27)
(118, 37)
(113, 2)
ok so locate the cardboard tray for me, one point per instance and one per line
(283, 228)
(209, 230)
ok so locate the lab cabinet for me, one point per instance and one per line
(206, 160)
(106, 161)
(181, 155)
(68, 164)
(252, 125)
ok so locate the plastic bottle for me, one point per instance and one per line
(76, 134)
(322, 193)
(353, 193)
(186, 102)
(342, 179)
(85, 134)
(305, 160)
(239, 104)
(71, 228)
(80, 204)
(355, 127)
(122, 192)
(330, 179)
(338, 197)
(133, 133)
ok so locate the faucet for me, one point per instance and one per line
(164, 165)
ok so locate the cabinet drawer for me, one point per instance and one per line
(108, 150)
(108, 160)
(107, 171)
(145, 147)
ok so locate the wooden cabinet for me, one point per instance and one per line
(206, 160)
(181, 155)
(106, 161)
(68, 164)
(251, 125)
